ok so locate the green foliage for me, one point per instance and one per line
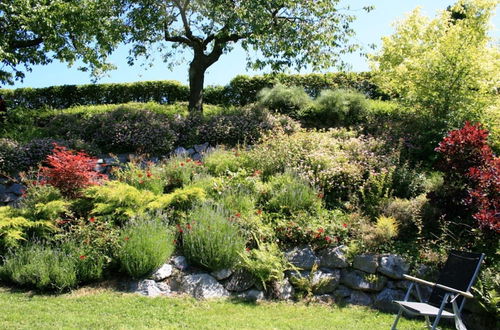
(220, 162)
(379, 237)
(307, 285)
(210, 239)
(267, 263)
(148, 177)
(408, 214)
(375, 190)
(287, 100)
(41, 267)
(488, 290)
(338, 107)
(118, 201)
(179, 199)
(146, 244)
(446, 69)
(287, 194)
(179, 171)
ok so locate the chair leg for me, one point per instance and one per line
(458, 320)
(427, 322)
(438, 316)
(397, 319)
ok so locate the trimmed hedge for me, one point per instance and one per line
(240, 91)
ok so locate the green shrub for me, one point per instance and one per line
(288, 194)
(11, 156)
(286, 100)
(375, 190)
(267, 263)
(210, 239)
(143, 177)
(40, 267)
(146, 244)
(408, 213)
(220, 162)
(179, 171)
(180, 199)
(339, 108)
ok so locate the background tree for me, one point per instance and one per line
(445, 68)
(35, 32)
(284, 33)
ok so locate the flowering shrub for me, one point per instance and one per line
(70, 171)
(469, 162)
(11, 156)
(147, 177)
(178, 171)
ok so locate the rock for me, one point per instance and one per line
(190, 151)
(294, 275)
(180, 262)
(359, 298)
(240, 281)
(201, 148)
(361, 281)
(162, 273)
(147, 288)
(251, 295)
(285, 290)
(333, 257)
(202, 286)
(222, 274)
(342, 292)
(180, 151)
(210, 150)
(17, 189)
(8, 198)
(324, 298)
(302, 257)
(328, 278)
(3, 189)
(124, 158)
(383, 300)
(196, 157)
(366, 262)
(393, 266)
(164, 287)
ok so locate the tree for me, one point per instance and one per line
(287, 33)
(445, 67)
(35, 32)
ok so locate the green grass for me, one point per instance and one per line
(102, 308)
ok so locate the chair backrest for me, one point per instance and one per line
(459, 272)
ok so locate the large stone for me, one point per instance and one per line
(383, 300)
(203, 286)
(361, 281)
(240, 281)
(8, 198)
(342, 292)
(180, 151)
(147, 288)
(180, 262)
(251, 295)
(302, 257)
(201, 148)
(285, 290)
(325, 281)
(190, 151)
(196, 157)
(17, 189)
(333, 257)
(393, 266)
(359, 298)
(3, 189)
(162, 273)
(366, 262)
(222, 274)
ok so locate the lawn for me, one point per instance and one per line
(104, 308)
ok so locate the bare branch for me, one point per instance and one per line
(17, 44)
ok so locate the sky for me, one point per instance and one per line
(369, 27)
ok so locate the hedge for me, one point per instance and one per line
(240, 91)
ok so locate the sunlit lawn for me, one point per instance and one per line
(105, 308)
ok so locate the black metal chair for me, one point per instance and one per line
(448, 293)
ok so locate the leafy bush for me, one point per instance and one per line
(283, 99)
(378, 237)
(267, 263)
(146, 244)
(143, 177)
(338, 108)
(11, 156)
(70, 171)
(210, 239)
(179, 171)
(375, 190)
(40, 267)
(220, 162)
(287, 194)
(408, 214)
(180, 199)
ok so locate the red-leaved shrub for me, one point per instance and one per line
(470, 165)
(70, 171)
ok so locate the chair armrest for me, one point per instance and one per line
(437, 285)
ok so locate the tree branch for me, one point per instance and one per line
(17, 44)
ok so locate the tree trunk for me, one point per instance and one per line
(197, 70)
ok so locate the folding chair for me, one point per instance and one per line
(448, 293)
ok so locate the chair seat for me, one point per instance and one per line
(423, 309)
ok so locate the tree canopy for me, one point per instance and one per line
(36, 32)
(446, 67)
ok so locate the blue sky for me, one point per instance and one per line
(369, 27)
